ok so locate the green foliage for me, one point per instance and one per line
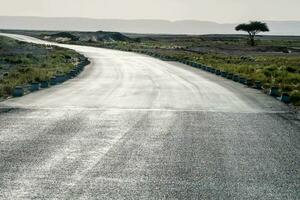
(253, 28)
(22, 63)
(295, 97)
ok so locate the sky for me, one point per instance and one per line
(222, 11)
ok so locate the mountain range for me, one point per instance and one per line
(138, 26)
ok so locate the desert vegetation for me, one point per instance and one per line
(23, 63)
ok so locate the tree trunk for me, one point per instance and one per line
(252, 42)
(251, 38)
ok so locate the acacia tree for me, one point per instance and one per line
(253, 28)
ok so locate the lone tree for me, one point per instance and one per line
(253, 28)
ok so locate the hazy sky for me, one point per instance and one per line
(205, 10)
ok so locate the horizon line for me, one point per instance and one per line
(144, 19)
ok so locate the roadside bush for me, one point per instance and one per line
(295, 97)
(287, 88)
(7, 90)
(38, 65)
(1, 91)
(291, 69)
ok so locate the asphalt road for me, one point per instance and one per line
(134, 127)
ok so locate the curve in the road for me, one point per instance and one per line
(121, 80)
(134, 127)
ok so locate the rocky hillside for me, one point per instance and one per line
(99, 36)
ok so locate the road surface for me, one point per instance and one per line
(134, 127)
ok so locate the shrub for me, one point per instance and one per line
(7, 90)
(38, 65)
(1, 91)
(295, 97)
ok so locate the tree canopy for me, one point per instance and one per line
(253, 28)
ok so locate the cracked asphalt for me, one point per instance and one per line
(134, 127)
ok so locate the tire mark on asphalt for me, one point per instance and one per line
(25, 154)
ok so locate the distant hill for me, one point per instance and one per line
(80, 36)
(86, 36)
(138, 26)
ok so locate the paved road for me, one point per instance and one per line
(133, 127)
